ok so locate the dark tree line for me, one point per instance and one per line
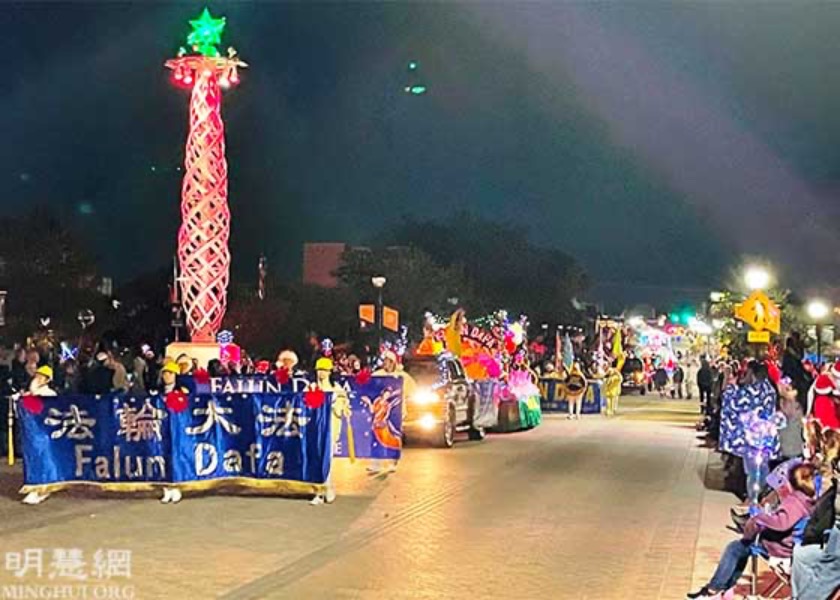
(466, 261)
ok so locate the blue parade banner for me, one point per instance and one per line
(376, 411)
(269, 441)
(553, 397)
(113, 439)
(264, 436)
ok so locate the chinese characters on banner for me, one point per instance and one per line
(244, 429)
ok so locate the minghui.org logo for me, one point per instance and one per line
(67, 574)
(83, 591)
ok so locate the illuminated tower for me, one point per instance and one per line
(203, 253)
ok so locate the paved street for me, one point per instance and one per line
(594, 509)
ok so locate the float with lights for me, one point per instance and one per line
(493, 351)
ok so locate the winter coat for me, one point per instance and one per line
(758, 398)
(660, 378)
(791, 436)
(99, 380)
(704, 376)
(792, 367)
(826, 410)
(776, 529)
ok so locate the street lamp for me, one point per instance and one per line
(379, 282)
(817, 311)
(757, 278)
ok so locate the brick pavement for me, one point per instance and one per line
(594, 509)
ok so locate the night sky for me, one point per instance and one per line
(658, 143)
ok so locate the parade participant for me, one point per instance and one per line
(429, 346)
(777, 539)
(339, 414)
(288, 360)
(185, 364)
(612, 390)
(549, 372)
(452, 333)
(169, 375)
(576, 386)
(40, 386)
(391, 368)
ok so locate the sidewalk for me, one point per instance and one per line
(714, 534)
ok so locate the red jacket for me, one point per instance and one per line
(825, 411)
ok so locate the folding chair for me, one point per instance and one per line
(779, 567)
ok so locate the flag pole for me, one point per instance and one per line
(10, 422)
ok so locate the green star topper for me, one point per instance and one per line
(206, 33)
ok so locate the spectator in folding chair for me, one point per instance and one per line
(815, 573)
(776, 529)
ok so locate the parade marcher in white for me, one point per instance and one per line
(40, 385)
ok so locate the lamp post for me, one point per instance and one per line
(757, 278)
(818, 311)
(379, 282)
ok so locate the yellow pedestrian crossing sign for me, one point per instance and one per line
(758, 337)
(760, 313)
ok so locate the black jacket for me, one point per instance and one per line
(98, 380)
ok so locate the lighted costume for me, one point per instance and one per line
(576, 386)
(612, 390)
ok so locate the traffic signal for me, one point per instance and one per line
(682, 316)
